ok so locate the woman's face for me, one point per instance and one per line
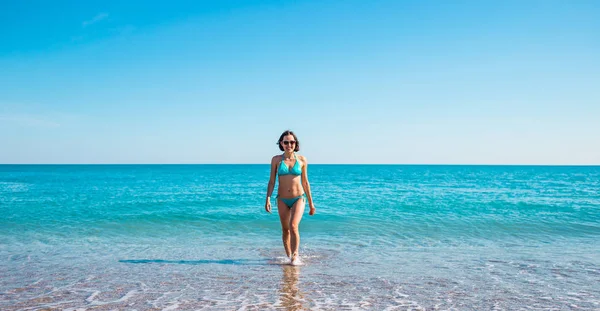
(288, 143)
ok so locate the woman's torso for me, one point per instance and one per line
(290, 181)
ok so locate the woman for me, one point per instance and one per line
(292, 193)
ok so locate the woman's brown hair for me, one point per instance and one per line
(286, 133)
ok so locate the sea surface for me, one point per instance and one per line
(385, 237)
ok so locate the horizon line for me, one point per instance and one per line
(396, 164)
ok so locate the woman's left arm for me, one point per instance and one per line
(306, 186)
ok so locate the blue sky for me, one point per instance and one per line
(440, 82)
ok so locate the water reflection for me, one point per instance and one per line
(291, 298)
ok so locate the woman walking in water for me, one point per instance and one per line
(292, 193)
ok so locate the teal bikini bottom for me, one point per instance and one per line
(290, 201)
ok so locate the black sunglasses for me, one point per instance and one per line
(288, 142)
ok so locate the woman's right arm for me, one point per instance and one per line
(271, 185)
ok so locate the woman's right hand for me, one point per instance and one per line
(268, 205)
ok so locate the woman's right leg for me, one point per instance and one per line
(284, 217)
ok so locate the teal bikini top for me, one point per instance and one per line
(285, 170)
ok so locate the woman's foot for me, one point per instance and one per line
(295, 259)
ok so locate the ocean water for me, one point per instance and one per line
(385, 237)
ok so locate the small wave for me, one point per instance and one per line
(12, 187)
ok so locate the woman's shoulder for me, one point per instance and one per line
(276, 158)
(302, 158)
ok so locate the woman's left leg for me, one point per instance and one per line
(296, 215)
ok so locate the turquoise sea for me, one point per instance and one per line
(385, 237)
